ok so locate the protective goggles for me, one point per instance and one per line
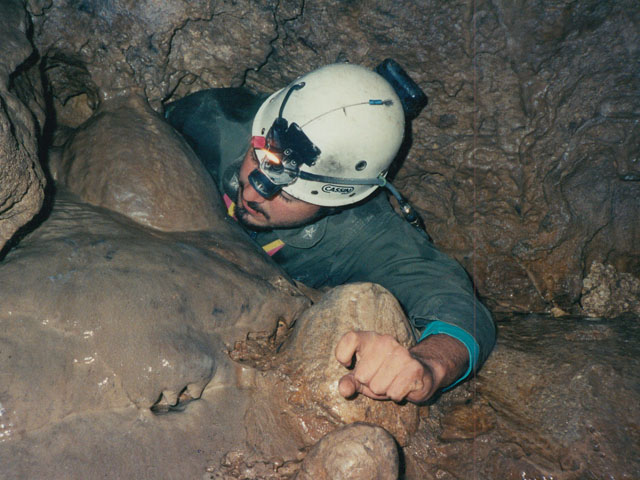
(280, 155)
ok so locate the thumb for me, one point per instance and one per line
(348, 385)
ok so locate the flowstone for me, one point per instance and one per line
(107, 323)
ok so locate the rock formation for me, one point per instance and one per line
(21, 119)
(608, 293)
(555, 400)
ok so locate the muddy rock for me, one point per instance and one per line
(121, 314)
(118, 159)
(21, 177)
(310, 364)
(553, 401)
(302, 380)
(130, 315)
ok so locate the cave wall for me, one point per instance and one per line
(525, 165)
(22, 180)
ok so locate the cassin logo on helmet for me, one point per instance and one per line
(344, 190)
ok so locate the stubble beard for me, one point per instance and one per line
(245, 218)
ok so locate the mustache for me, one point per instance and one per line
(256, 206)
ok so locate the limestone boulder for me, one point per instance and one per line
(125, 314)
(128, 159)
(302, 380)
(356, 451)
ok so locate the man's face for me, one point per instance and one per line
(280, 211)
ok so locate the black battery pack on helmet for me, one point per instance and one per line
(411, 96)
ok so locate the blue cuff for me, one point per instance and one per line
(459, 334)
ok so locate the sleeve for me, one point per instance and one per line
(434, 290)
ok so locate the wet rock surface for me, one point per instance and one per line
(556, 400)
(133, 177)
(119, 316)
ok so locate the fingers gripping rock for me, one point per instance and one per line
(314, 398)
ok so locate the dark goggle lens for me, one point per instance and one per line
(263, 184)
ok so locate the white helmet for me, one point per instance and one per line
(334, 132)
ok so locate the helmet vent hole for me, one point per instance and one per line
(353, 194)
(361, 165)
(314, 192)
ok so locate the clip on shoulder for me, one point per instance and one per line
(408, 212)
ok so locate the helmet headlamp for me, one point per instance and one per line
(280, 154)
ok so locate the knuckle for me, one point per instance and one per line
(416, 366)
(401, 351)
(378, 389)
(396, 397)
(360, 377)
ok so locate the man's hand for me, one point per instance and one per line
(384, 369)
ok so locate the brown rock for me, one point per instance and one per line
(123, 315)
(357, 451)
(557, 394)
(130, 315)
(313, 398)
(607, 293)
(21, 178)
(102, 50)
(127, 159)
